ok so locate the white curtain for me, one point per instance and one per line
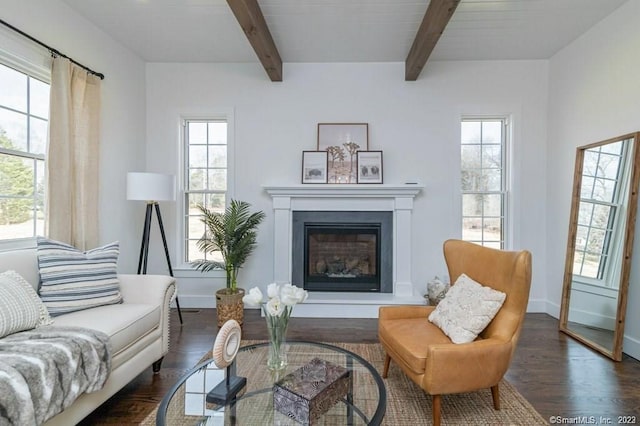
(73, 156)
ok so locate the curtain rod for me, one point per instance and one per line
(53, 51)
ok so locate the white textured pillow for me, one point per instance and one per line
(20, 307)
(466, 310)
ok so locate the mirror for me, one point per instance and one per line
(601, 230)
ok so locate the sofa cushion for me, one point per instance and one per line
(72, 280)
(125, 324)
(467, 309)
(20, 307)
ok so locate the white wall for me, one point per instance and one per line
(123, 108)
(593, 95)
(416, 124)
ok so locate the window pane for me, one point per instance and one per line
(218, 156)
(218, 133)
(493, 205)
(15, 127)
(39, 94)
(195, 227)
(586, 187)
(472, 204)
(491, 180)
(197, 133)
(38, 142)
(472, 229)
(16, 177)
(471, 157)
(198, 156)
(581, 237)
(470, 132)
(492, 132)
(13, 89)
(197, 179)
(217, 180)
(492, 229)
(216, 202)
(195, 200)
(609, 165)
(492, 156)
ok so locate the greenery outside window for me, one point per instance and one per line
(24, 115)
(483, 180)
(206, 166)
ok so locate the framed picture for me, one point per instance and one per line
(314, 167)
(342, 141)
(369, 166)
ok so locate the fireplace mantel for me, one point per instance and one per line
(343, 197)
(344, 190)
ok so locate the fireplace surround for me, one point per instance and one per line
(343, 251)
(396, 199)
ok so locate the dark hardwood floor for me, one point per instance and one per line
(559, 376)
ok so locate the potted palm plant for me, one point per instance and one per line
(233, 234)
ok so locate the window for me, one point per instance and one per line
(483, 169)
(206, 178)
(24, 115)
(601, 198)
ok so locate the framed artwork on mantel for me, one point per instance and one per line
(369, 166)
(342, 141)
(314, 167)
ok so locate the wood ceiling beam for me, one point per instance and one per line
(438, 14)
(253, 24)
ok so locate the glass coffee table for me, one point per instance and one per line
(185, 403)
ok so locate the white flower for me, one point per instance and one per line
(254, 297)
(272, 290)
(274, 307)
(291, 295)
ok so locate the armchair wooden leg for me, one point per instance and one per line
(436, 409)
(495, 393)
(387, 361)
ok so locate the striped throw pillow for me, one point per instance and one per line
(72, 280)
(20, 307)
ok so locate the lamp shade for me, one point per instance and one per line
(151, 186)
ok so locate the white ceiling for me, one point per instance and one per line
(343, 30)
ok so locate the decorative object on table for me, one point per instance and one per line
(436, 290)
(277, 311)
(369, 166)
(230, 235)
(314, 167)
(152, 187)
(310, 391)
(224, 353)
(342, 141)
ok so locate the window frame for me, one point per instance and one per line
(504, 192)
(184, 268)
(33, 71)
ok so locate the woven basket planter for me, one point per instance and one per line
(229, 306)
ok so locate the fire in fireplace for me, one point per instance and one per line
(343, 251)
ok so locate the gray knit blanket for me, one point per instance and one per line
(43, 371)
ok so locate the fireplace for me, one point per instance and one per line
(343, 251)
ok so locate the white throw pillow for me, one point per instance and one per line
(72, 280)
(466, 310)
(20, 307)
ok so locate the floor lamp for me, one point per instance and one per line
(152, 187)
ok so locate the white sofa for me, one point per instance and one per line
(138, 328)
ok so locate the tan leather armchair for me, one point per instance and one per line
(428, 356)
